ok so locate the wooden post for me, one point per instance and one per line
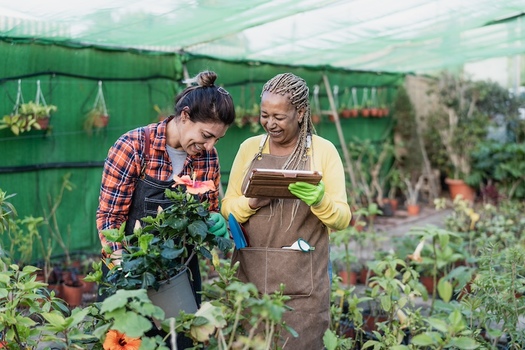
(346, 154)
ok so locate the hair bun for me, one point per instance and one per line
(206, 78)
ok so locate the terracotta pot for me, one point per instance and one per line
(316, 118)
(365, 275)
(365, 112)
(72, 293)
(354, 112)
(346, 113)
(348, 278)
(394, 203)
(428, 283)
(374, 112)
(413, 209)
(371, 321)
(43, 123)
(459, 187)
(101, 121)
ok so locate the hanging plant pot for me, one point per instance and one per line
(354, 112)
(316, 118)
(346, 113)
(101, 121)
(98, 116)
(365, 112)
(374, 112)
(43, 122)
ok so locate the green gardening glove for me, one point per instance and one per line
(308, 193)
(219, 227)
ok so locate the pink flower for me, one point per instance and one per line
(194, 187)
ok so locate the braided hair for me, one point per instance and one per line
(206, 102)
(298, 92)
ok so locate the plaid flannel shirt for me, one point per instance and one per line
(122, 169)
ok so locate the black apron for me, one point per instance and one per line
(147, 197)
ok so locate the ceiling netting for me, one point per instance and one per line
(377, 35)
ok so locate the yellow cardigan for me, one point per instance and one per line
(333, 210)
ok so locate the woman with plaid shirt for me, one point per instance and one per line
(143, 162)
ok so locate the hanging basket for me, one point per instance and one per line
(98, 117)
(43, 123)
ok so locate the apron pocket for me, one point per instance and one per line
(268, 268)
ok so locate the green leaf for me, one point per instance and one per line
(113, 235)
(198, 228)
(55, 319)
(132, 325)
(171, 254)
(445, 290)
(386, 303)
(330, 340)
(463, 343)
(457, 321)
(422, 340)
(438, 324)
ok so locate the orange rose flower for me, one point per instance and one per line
(194, 187)
(118, 341)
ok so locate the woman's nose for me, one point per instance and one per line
(209, 145)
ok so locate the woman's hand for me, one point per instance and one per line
(308, 193)
(219, 228)
(116, 257)
(256, 203)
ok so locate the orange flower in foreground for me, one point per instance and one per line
(194, 187)
(118, 341)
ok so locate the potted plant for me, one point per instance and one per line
(343, 257)
(159, 251)
(411, 190)
(96, 119)
(499, 168)
(28, 116)
(460, 126)
(40, 112)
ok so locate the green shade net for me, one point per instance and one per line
(418, 36)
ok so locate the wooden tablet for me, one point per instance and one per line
(273, 183)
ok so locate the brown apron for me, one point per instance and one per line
(304, 274)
